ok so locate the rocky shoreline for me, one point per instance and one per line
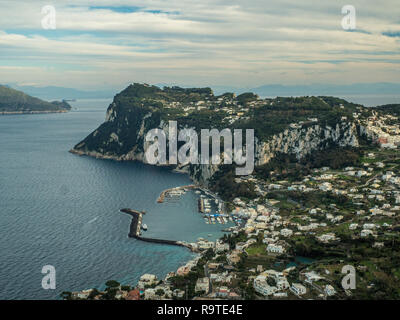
(32, 112)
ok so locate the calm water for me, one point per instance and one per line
(61, 209)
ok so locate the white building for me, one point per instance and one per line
(326, 237)
(221, 246)
(329, 290)
(326, 186)
(369, 226)
(366, 233)
(262, 287)
(353, 226)
(282, 284)
(298, 289)
(286, 232)
(273, 248)
(202, 284)
(147, 280)
(205, 245)
(312, 276)
(150, 294)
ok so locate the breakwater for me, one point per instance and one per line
(135, 227)
(173, 191)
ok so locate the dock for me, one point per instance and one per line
(163, 194)
(136, 224)
(201, 205)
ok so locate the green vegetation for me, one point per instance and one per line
(112, 284)
(393, 109)
(246, 97)
(198, 108)
(223, 183)
(16, 101)
(256, 249)
(276, 116)
(286, 166)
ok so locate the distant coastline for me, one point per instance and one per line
(32, 112)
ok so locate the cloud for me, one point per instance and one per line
(242, 43)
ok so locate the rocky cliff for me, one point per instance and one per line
(129, 117)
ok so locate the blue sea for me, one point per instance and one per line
(61, 209)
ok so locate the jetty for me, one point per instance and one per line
(201, 205)
(136, 225)
(163, 194)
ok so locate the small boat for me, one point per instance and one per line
(144, 227)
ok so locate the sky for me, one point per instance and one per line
(111, 43)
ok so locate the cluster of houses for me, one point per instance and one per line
(227, 103)
(272, 283)
(384, 129)
(373, 189)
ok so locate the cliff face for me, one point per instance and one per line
(299, 142)
(121, 136)
(302, 142)
(115, 144)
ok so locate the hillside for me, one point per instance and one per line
(14, 101)
(284, 125)
(393, 109)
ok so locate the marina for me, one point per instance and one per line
(136, 226)
(209, 204)
(174, 192)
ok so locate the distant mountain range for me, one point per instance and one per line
(324, 89)
(270, 90)
(61, 93)
(14, 102)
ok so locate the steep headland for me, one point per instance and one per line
(16, 102)
(283, 125)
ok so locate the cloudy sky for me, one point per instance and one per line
(242, 43)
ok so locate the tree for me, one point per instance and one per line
(112, 284)
(160, 292)
(93, 294)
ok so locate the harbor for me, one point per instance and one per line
(174, 192)
(136, 227)
(209, 205)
